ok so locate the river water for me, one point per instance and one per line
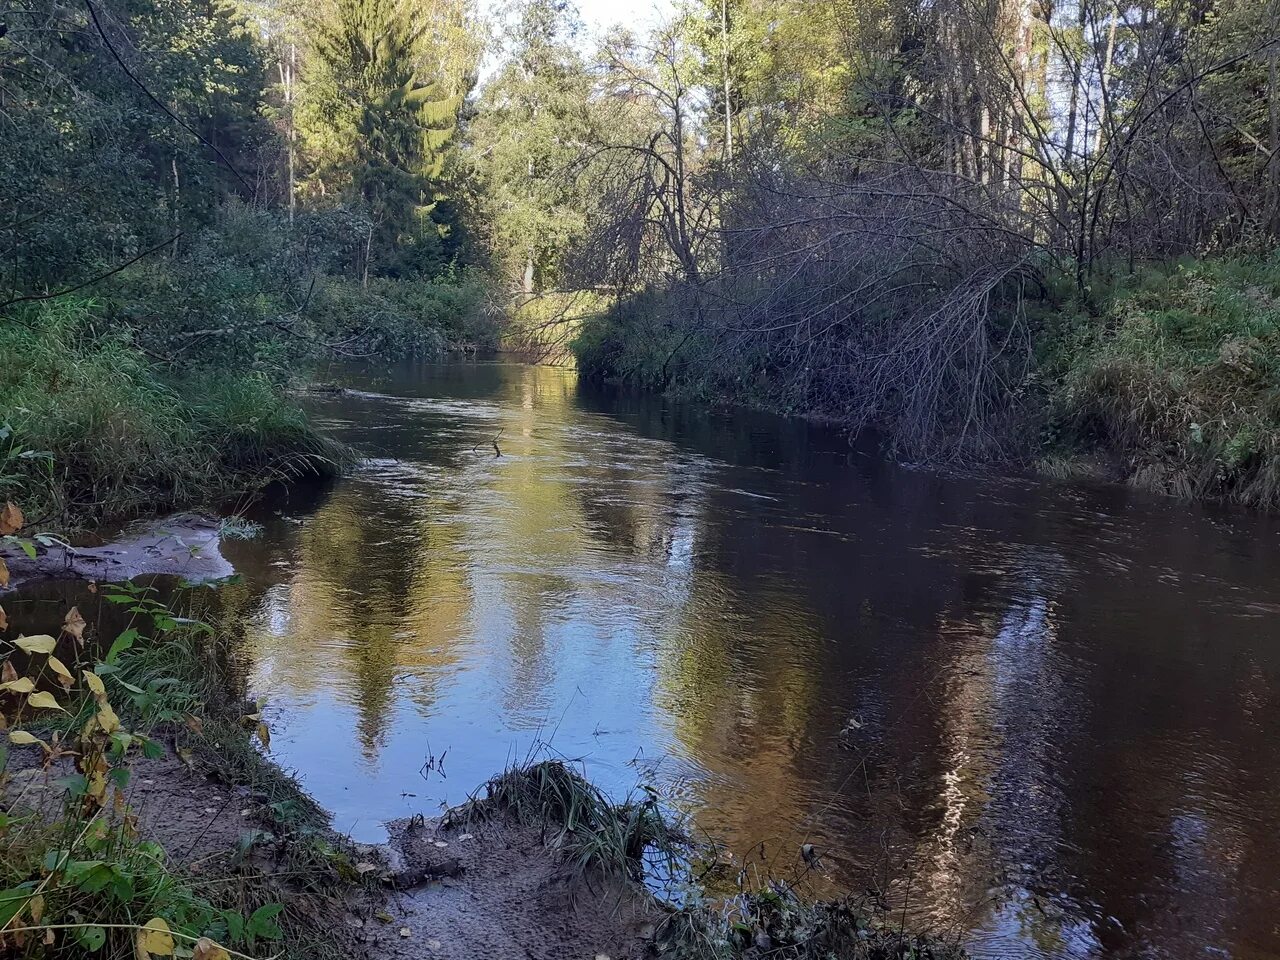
(1042, 717)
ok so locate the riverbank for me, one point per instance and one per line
(143, 814)
(1163, 381)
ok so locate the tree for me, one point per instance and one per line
(375, 131)
(530, 126)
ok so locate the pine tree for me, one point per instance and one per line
(377, 131)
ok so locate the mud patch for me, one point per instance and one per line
(183, 546)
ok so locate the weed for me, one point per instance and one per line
(621, 840)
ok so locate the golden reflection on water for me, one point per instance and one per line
(993, 702)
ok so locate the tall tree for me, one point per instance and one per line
(376, 131)
(529, 129)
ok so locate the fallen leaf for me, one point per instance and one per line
(264, 735)
(23, 739)
(186, 757)
(36, 905)
(384, 916)
(155, 940)
(195, 724)
(7, 673)
(11, 519)
(406, 932)
(94, 683)
(4, 619)
(21, 685)
(366, 867)
(73, 625)
(44, 701)
(42, 643)
(206, 949)
(466, 836)
(439, 843)
(4, 573)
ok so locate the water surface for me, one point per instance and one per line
(1043, 717)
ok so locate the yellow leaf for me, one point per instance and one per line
(107, 718)
(36, 905)
(94, 683)
(11, 519)
(154, 939)
(206, 949)
(38, 644)
(195, 724)
(21, 685)
(73, 625)
(264, 735)
(43, 701)
(4, 573)
(4, 620)
(23, 739)
(60, 668)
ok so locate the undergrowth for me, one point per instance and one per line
(78, 876)
(91, 428)
(630, 839)
(1178, 380)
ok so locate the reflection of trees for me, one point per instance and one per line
(1053, 713)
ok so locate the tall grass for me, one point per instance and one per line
(1178, 380)
(96, 429)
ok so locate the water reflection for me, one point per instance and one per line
(1044, 717)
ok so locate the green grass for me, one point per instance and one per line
(94, 429)
(1178, 380)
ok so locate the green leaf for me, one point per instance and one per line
(13, 900)
(92, 938)
(122, 643)
(262, 922)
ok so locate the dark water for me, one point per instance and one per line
(1060, 707)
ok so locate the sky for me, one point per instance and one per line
(605, 13)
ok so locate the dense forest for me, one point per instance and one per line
(1009, 230)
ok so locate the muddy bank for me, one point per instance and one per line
(184, 546)
(490, 890)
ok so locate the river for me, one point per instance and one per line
(1042, 717)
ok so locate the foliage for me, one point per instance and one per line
(81, 879)
(1178, 380)
(376, 130)
(96, 429)
(528, 132)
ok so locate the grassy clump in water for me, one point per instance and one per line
(93, 428)
(1178, 380)
(592, 832)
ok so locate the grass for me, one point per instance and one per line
(95, 430)
(623, 840)
(1178, 381)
